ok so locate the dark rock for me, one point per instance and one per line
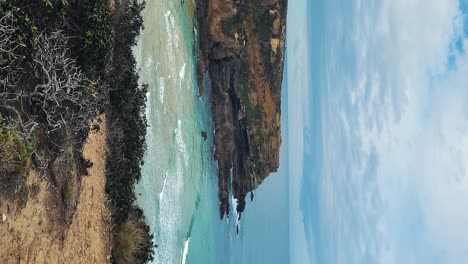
(242, 51)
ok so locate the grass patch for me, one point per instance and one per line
(34, 189)
(67, 192)
(127, 241)
(131, 239)
(13, 151)
(232, 24)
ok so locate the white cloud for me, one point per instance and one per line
(394, 186)
(421, 125)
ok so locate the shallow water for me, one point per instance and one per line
(178, 190)
(179, 174)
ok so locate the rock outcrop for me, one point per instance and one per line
(241, 55)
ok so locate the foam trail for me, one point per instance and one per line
(149, 64)
(180, 141)
(176, 36)
(186, 248)
(170, 217)
(172, 20)
(233, 200)
(162, 87)
(161, 194)
(182, 75)
(170, 40)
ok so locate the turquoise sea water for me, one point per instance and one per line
(178, 190)
(179, 184)
(179, 176)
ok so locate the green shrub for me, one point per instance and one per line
(126, 139)
(25, 32)
(56, 9)
(128, 239)
(132, 242)
(94, 35)
(13, 151)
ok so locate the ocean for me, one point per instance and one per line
(178, 190)
(179, 174)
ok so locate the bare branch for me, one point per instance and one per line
(63, 96)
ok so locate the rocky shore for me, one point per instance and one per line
(241, 57)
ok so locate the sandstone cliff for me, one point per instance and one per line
(241, 55)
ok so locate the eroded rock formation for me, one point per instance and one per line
(241, 55)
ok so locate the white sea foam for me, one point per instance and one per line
(170, 40)
(172, 21)
(234, 205)
(180, 141)
(182, 71)
(233, 200)
(170, 216)
(161, 194)
(149, 64)
(148, 107)
(186, 248)
(182, 75)
(161, 89)
(176, 36)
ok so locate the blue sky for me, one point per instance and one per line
(265, 222)
(378, 131)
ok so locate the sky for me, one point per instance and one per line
(265, 222)
(298, 86)
(378, 131)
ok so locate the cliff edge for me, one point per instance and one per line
(241, 57)
(40, 225)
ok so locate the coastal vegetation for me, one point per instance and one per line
(127, 126)
(62, 64)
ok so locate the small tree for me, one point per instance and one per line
(63, 97)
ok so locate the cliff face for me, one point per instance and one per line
(241, 57)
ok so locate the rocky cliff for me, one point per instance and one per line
(241, 54)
